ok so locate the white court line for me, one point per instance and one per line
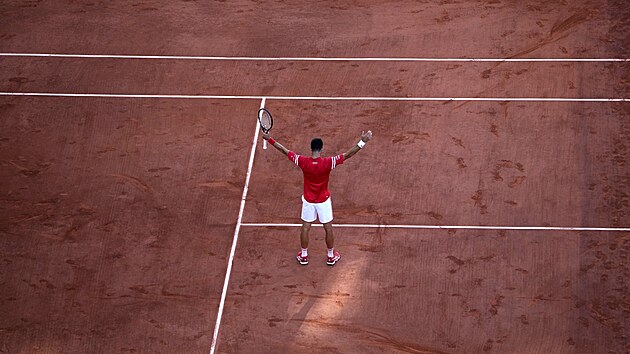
(228, 272)
(245, 58)
(451, 227)
(329, 98)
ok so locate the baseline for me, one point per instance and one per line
(313, 98)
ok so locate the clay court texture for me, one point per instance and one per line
(139, 213)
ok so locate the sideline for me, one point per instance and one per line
(228, 272)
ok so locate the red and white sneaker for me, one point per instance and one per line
(302, 260)
(334, 259)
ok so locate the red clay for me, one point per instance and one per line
(117, 215)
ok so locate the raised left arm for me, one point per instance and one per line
(365, 137)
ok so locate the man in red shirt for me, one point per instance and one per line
(316, 198)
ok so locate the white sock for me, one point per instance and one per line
(331, 252)
(304, 252)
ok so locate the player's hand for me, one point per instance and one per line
(366, 136)
(266, 136)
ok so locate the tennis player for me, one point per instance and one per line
(316, 198)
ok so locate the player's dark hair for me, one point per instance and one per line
(317, 144)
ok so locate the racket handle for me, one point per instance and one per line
(264, 144)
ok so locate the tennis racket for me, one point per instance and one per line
(266, 122)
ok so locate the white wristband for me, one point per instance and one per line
(361, 144)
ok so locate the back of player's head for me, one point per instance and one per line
(317, 144)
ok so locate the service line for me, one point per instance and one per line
(452, 227)
(245, 58)
(313, 98)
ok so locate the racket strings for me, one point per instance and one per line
(265, 121)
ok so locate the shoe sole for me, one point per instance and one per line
(333, 263)
(301, 262)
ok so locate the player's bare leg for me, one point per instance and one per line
(302, 257)
(330, 239)
(306, 226)
(333, 256)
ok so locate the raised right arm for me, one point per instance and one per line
(275, 144)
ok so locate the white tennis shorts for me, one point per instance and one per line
(311, 211)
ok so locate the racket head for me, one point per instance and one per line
(265, 119)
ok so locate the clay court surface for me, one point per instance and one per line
(118, 215)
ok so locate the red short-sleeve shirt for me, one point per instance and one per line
(316, 173)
